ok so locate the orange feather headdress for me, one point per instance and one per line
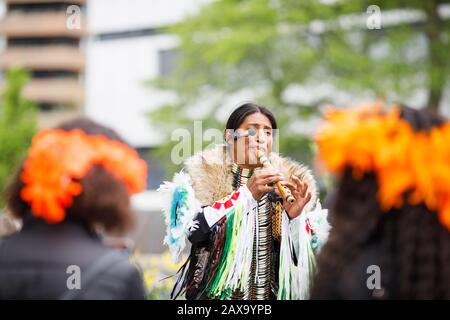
(58, 160)
(369, 139)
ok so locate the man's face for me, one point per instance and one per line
(244, 148)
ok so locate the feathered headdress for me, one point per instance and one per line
(58, 160)
(370, 139)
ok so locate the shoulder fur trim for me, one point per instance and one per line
(212, 179)
(210, 171)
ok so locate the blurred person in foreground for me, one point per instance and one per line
(391, 209)
(73, 186)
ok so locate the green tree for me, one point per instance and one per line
(270, 45)
(17, 124)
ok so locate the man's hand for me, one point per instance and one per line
(258, 182)
(302, 197)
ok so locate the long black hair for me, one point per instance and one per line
(238, 116)
(410, 245)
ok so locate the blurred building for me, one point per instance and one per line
(39, 36)
(96, 58)
(125, 49)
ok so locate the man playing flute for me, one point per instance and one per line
(248, 242)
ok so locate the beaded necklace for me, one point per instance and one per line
(260, 273)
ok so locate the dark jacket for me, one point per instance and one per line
(34, 264)
(358, 279)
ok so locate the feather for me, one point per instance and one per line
(320, 227)
(179, 206)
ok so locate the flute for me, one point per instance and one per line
(284, 191)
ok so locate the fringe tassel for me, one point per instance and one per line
(295, 280)
(234, 268)
(217, 289)
(181, 281)
(306, 264)
(286, 265)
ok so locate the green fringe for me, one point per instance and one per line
(234, 226)
(214, 290)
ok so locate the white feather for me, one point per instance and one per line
(185, 215)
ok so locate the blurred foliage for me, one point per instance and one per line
(17, 125)
(268, 45)
(159, 273)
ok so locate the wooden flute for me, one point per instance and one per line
(284, 191)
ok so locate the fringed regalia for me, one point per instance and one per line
(241, 248)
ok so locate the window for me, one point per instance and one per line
(167, 61)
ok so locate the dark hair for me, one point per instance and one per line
(238, 116)
(104, 201)
(90, 127)
(410, 245)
